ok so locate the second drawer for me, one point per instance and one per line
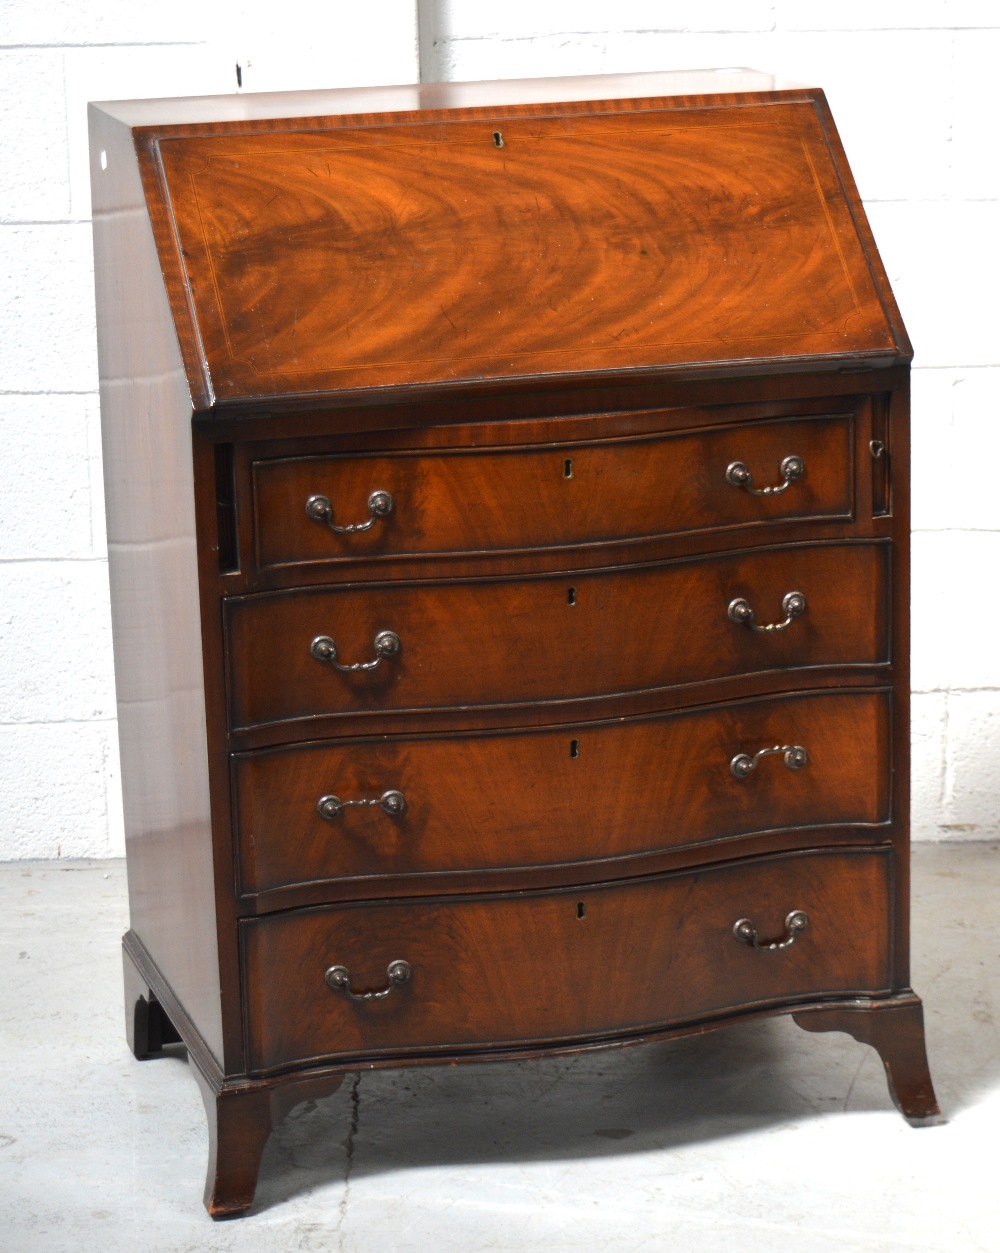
(319, 652)
(590, 792)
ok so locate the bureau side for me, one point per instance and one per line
(146, 414)
(890, 450)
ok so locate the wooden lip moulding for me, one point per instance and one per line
(508, 530)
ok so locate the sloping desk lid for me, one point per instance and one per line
(426, 248)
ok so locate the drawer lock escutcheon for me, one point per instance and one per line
(390, 802)
(386, 643)
(339, 979)
(740, 612)
(794, 754)
(380, 505)
(738, 475)
(746, 933)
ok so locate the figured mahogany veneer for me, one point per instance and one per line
(554, 638)
(561, 494)
(559, 796)
(593, 394)
(632, 233)
(609, 959)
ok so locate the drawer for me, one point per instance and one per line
(582, 793)
(471, 500)
(562, 965)
(549, 638)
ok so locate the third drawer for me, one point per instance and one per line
(573, 794)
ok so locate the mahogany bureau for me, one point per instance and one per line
(508, 529)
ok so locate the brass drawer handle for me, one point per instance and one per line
(738, 475)
(391, 802)
(793, 603)
(339, 978)
(380, 505)
(794, 754)
(386, 643)
(746, 933)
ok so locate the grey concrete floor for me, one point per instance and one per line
(757, 1138)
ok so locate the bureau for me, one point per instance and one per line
(508, 538)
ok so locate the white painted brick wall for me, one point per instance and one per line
(910, 84)
(58, 735)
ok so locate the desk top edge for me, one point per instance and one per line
(420, 97)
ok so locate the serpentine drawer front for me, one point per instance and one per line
(496, 971)
(296, 655)
(508, 524)
(580, 793)
(327, 508)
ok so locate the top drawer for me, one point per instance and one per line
(308, 509)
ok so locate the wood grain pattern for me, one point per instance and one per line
(582, 792)
(420, 252)
(514, 969)
(561, 494)
(555, 638)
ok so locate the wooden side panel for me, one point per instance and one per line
(575, 239)
(152, 556)
(897, 500)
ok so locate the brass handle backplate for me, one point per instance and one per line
(390, 802)
(794, 754)
(380, 505)
(339, 979)
(740, 612)
(791, 468)
(746, 933)
(386, 644)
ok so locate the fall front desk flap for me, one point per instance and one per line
(450, 247)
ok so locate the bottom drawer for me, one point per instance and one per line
(492, 971)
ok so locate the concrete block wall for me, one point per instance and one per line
(58, 734)
(910, 84)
